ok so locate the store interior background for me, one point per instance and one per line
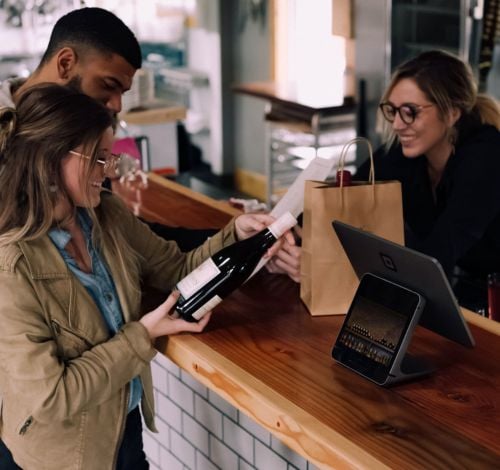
(195, 51)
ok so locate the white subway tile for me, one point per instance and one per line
(208, 416)
(169, 461)
(254, 428)
(151, 448)
(265, 458)
(181, 394)
(195, 433)
(223, 405)
(238, 439)
(245, 465)
(168, 365)
(222, 455)
(182, 449)
(202, 463)
(169, 412)
(198, 431)
(159, 377)
(194, 384)
(288, 454)
(163, 434)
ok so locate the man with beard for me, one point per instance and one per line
(93, 50)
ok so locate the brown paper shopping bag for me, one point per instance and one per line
(328, 282)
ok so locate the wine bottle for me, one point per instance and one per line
(225, 271)
(343, 178)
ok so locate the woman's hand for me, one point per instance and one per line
(249, 224)
(161, 322)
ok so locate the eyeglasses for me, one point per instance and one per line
(109, 164)
(407, 112)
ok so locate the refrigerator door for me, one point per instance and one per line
(420, 25)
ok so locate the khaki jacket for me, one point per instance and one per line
(63, 380)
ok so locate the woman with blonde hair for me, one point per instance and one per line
(74, 348)
(443, 144)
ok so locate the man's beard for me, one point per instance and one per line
(76, 84)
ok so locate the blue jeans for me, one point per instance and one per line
(131, 455)
(6, 460)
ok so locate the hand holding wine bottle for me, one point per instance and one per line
(229, 268)
(164, 321)
(247, 225)
(287, 259)
(159, 322)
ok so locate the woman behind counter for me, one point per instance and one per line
(443, 144)
(74, 350)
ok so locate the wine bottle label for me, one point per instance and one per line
(282, 224)
(198, 278)
(202, 311)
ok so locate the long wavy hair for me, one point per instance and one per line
(449, 84)
(50, 120)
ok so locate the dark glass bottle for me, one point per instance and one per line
(226, 270)
(344, 177)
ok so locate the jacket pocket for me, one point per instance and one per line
(70, 345)
(63, 440)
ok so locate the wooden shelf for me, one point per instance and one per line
(155, 114)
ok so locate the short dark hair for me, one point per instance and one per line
(97, 29)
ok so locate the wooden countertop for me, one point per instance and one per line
(156, 113)
(170, 203)
(266, 355)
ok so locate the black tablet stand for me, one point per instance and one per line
(407, 367)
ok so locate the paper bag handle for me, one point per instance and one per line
(343, 154)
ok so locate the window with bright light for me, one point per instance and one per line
(307, 55)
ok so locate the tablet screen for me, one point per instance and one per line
(375, 327)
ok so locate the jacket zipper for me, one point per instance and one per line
(26, 425)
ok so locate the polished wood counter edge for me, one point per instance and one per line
(223, 206)
(481, 322)
(292, 425)
(155, 115)
(323, 445)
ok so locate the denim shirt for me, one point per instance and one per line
(99, 285)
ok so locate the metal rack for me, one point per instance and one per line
(295, 138)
